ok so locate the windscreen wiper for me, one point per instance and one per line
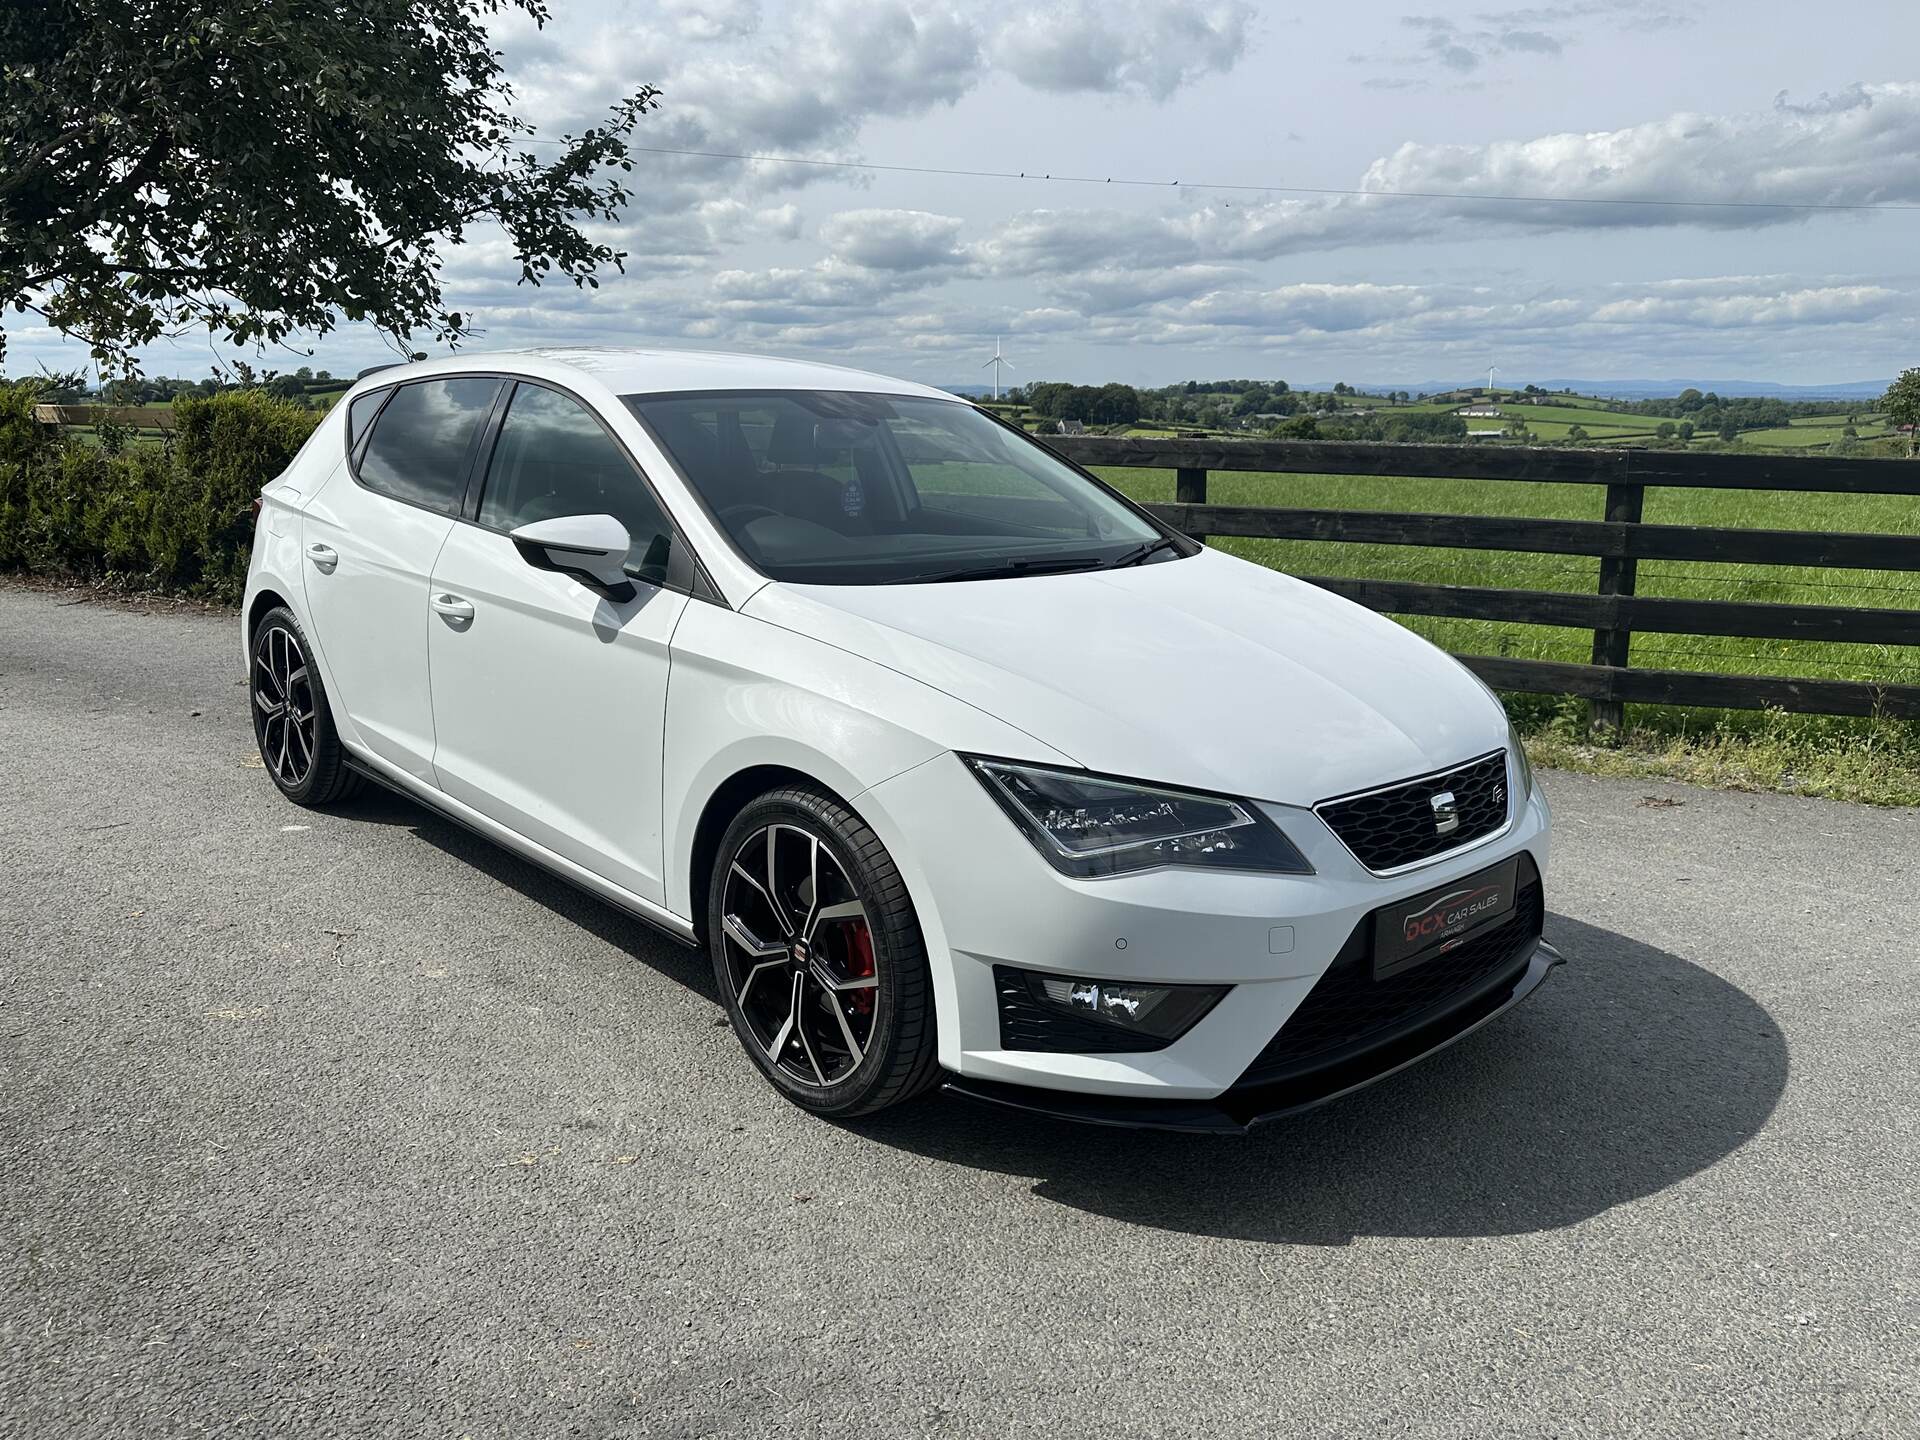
(1140, 554)
(1002, 569)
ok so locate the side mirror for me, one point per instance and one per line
(590, 548)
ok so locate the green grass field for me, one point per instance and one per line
(1812, 432)
(1551, 423)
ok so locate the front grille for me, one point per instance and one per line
(1349, 1011)
(1388, 828)
(1026, 1024)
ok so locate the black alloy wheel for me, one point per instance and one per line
(819, 956)
(291, 721)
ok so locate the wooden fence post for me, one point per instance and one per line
(1190, 488)
(1611, 646)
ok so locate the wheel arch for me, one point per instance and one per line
(270, 585)
(728, 799)
(757, 771)
(266, 599)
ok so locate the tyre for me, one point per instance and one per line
(291, 721)
(818, 956)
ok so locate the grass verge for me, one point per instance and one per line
(1866, 761)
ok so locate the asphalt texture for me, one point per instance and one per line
(350, 1124)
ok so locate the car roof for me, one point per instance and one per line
(634, 370)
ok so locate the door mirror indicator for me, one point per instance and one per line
(590, 548)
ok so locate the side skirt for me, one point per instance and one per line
(402, 784)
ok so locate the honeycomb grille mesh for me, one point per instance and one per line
(1350, 1010)
(1395, 827)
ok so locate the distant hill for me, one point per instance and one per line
(1643, 389)
(1602, 389)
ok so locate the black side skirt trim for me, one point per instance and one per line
(360, 767)
(1240, 1110)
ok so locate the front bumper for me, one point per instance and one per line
(1242, 1108)
(986, 899)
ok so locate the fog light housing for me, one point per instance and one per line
(1064, 1013)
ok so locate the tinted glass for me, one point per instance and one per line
(834, 488)
(360, 414)
(421, 443)
(553, 458)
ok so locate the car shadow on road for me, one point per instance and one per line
(600, 918)
(1631, 1070)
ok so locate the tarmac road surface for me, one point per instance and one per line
(350, 1124)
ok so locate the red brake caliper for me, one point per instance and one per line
(860, 964)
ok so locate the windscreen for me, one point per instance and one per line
(837, 488)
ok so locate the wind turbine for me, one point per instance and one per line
(995, 363)
(1490, 394)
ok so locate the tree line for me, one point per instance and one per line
(1203, 404)
(305, 386)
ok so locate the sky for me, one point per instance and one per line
(1749, 104)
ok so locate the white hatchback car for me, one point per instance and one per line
(960, 765)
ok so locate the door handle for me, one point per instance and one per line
(324, 558)
(453, 607)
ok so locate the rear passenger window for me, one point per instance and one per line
(423, 440)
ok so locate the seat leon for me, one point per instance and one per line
(962, 767)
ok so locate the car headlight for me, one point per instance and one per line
(1522, 767)
(1090, 825)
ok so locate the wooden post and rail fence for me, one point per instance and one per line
(150, 417)
(1620, 540)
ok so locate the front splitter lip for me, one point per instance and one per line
(1239, 1111)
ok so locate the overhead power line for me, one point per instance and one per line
(1325, 190)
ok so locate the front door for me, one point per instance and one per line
(549, 700)
(368, 541)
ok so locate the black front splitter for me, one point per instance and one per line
(1242, 1109)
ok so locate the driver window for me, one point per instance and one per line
(553, 458)
(781, 458)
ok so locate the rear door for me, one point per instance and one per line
(368, 542)
(549, 700)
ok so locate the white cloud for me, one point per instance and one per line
(1307, 309)
(809, 81)
(1864, 151)
(1822, 305)
(1464, 42)
(1124, 45)
(894, 239)
(781, 222)
(706, 21)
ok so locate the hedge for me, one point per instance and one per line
(176, 516)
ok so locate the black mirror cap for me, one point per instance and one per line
(554, 559)
(665, 566)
